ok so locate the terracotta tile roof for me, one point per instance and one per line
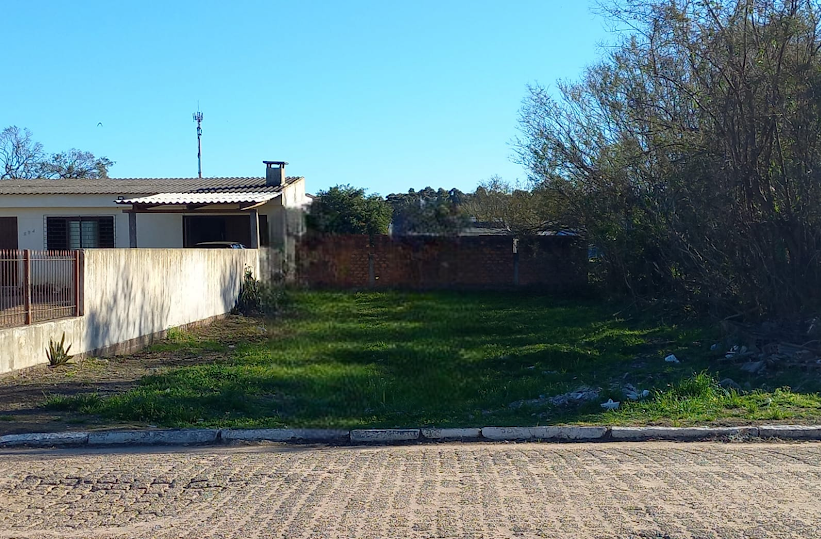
(139, 186)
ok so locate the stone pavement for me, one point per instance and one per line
(614, 490)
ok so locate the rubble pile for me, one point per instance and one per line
(771, 345)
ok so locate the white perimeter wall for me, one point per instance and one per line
(132, 293)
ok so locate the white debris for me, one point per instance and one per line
(610, 405)
(671, 359)
(754, 367)
(735, 351)
(634, 394)
(581, 394)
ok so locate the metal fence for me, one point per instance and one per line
(39, 285)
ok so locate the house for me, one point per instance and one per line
(153, 212)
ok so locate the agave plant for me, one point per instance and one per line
(57, 353)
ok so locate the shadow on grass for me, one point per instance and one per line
(449, 359)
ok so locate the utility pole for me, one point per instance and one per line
(198, 118)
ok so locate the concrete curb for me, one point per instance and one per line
(791, 432)
(635, 434)
(42, 439)
(153, 437)
(379, 436)
(285, 435)
(451, 434)
(544, 433)
(385, 436)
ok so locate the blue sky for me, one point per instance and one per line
(379, 94)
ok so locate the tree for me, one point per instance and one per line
(691, 153)
(515, 209)
(75, 164)
(344, 209)
(21, 158)
(427, 211)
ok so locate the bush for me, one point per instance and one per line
(695, 191)
(260, 299)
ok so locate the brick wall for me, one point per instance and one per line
(491, 262)
(552, 261)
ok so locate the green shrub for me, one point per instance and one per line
(259, 299)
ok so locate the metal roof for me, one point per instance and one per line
(168, 199)
(139, 186)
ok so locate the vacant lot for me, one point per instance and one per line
(414, 359)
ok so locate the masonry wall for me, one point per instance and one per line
(134, 295)
(482, 262)
(550, 261)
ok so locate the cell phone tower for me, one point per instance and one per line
(198, 118)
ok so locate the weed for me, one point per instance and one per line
(248, 302)
(57, 353)
(84, 403)
(176, 335)
(257, 298)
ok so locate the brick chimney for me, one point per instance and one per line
(274, 172)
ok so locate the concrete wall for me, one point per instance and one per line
(131, 294)
(286, 219)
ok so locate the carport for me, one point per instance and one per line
(211, 215)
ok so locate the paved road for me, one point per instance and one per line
(467, 491)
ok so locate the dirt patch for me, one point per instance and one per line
(22, 394)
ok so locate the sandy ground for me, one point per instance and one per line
(603, 491)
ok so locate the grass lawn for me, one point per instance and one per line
(377, 359)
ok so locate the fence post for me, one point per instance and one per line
(515, 262)
(27, 284)
(77, 283)
(81, 282)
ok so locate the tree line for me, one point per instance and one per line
(23, 158)
(495, 204)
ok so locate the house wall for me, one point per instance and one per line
(287, 224)
(285, 218)
(31, 212)
(157, 231)
(131, 296)
(163, 231)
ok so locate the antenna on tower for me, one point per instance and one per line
(198, 118)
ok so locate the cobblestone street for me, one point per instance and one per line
(648, 490)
